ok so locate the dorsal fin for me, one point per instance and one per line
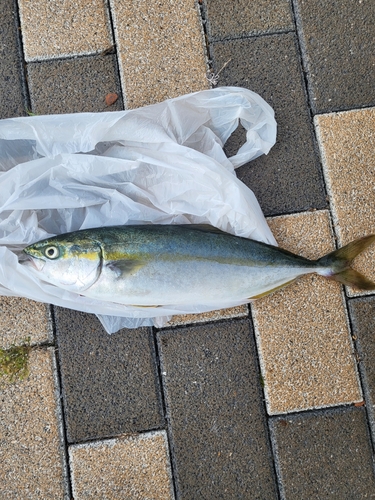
(206, 228)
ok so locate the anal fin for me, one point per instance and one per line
(264, 294)
(145, 307)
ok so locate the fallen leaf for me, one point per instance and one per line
(111, 98)
(110, 50)
(360, 403)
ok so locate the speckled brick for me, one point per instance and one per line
(11, 103)
(304, 343)
(109, 381)
(288, 179)
(64, 28)
(324, 455)
(74, 85)
(160, 49)
(338, 47)
(243, 18)
(362, 314)
(215, 412)
(31, 455)
(135, 467)
(347, 142)
(22, 318)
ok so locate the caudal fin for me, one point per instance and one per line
(339, 263)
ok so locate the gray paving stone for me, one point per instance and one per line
(109, 382)
(215, 410)
(289, 178)
(235, 19)
(74, 85)
(362, 313)
(338, 46)
(324, 454)
(11, 103)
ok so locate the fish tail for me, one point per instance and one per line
(339, 262)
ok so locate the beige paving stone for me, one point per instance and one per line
(160, 48)
(134, 467)
(347, 143)
(230, 312)
(61, 28)
(302, 332)
(30, 455)
(21, 318)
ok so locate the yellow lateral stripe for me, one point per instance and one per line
(82, 255)
(118, 255)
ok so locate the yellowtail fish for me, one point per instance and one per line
(161, 265)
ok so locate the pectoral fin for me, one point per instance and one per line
(123, 268)
(264, 294)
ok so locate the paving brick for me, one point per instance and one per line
(30, 452)
(74, 85)
(109, 381)
(11, 103)
(160, 48)
(21, 318)
(324, 455)
(362, 314)
(133, 467)
(347, 142)
(288, 179)
(215, 410)
(64, 28)
(302, 332)
(338, 48)
(243, 18)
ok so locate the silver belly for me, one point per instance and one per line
(189, 282)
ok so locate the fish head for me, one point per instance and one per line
(70, 263)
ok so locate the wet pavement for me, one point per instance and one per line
(274, 400)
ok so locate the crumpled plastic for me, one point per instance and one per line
(161, 164)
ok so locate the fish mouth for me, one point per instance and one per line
(33, 262)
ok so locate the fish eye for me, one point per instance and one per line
(52, 252)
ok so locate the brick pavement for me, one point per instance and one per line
(272, 401)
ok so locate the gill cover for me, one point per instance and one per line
(72, 265)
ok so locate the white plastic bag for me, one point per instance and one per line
(159, 164)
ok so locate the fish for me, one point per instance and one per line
(174, 265)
